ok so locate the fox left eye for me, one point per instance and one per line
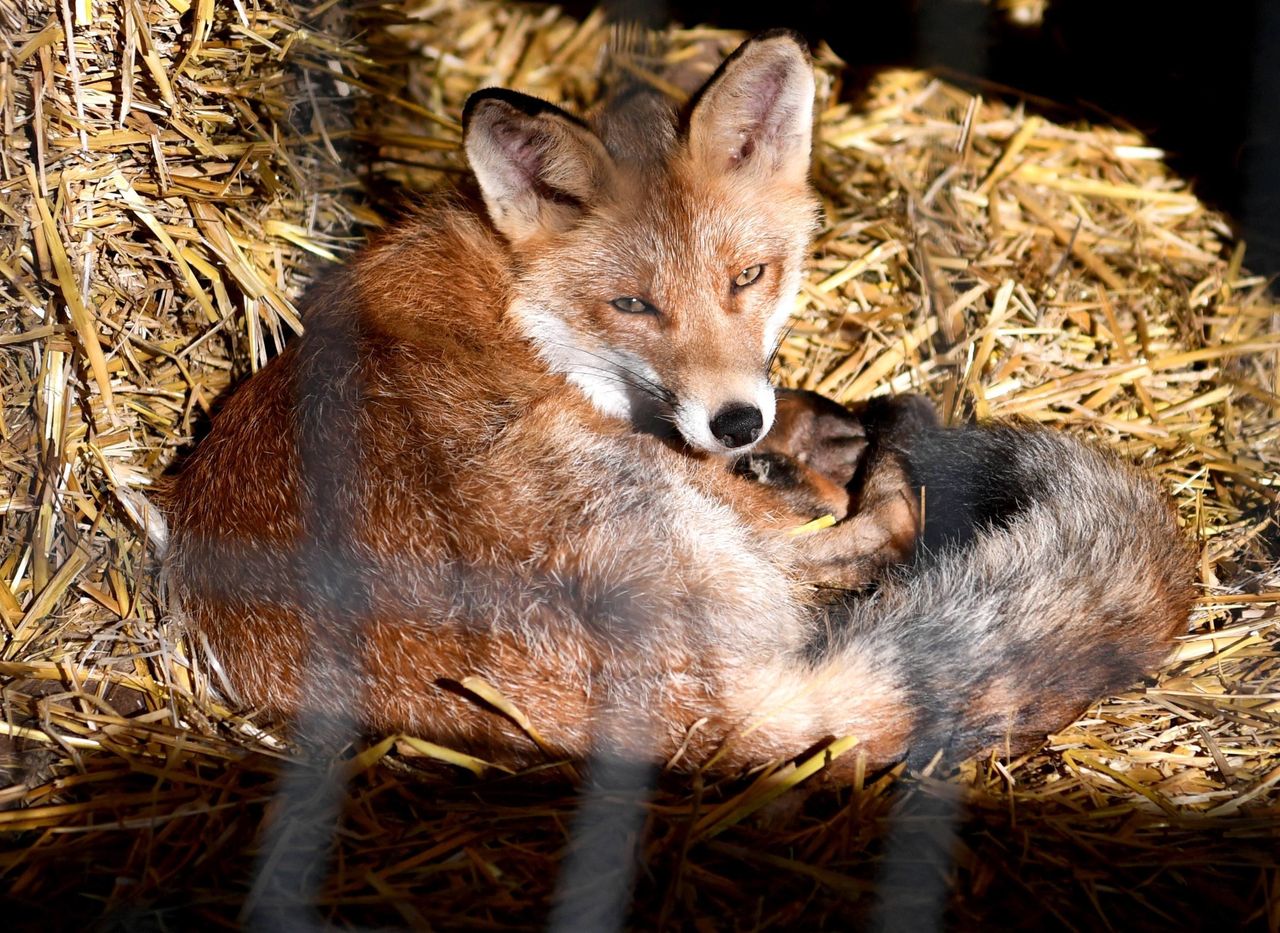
(748, 275)
(629, 305)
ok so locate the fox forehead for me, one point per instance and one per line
(671, 235)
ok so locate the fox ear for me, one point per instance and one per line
(537, 166)
(756, 112)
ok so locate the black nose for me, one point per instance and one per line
(737, 425)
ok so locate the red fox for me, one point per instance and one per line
(526, 439)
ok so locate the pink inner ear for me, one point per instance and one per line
(520, 147)
(764, 111)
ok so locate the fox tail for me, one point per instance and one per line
(1048, 574)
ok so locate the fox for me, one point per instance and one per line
(524, 488)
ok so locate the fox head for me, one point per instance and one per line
(656, 271)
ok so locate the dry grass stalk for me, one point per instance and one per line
(171, 176)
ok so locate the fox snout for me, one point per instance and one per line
(732, 424)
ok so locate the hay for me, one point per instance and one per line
(171, 176)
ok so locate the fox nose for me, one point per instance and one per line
(737, 425)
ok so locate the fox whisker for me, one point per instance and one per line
(600, 372)
(655, 389)
(777, 346)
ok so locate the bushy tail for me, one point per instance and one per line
(1049, 574)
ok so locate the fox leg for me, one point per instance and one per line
(810, 456)
(823, 458)
(881, 533)
(886, 506)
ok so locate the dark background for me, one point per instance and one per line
(1201, 80)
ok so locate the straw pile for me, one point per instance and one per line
(172, 173)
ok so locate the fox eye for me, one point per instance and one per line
(748, 275)
(630, 305)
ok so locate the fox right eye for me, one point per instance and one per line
(629, 305)
(748, 276)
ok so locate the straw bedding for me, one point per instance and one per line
(174, 173)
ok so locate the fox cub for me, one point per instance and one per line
(529, 440)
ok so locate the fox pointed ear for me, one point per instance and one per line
(756, 112)
(537, 166)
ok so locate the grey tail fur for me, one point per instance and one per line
(1050, 574)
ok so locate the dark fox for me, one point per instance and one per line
(501, 460)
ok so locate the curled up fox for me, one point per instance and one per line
(529, 438)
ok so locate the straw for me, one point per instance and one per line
(173, 176)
